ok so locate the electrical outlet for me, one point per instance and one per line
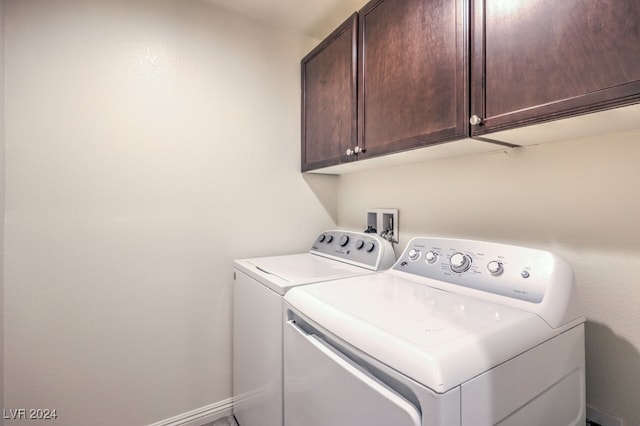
(596, 417)
(385, 223)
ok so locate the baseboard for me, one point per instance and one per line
(200, 416)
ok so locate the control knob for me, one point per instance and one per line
(495, 268)
(370, 246)
(344, 240)
(460, 262)
(431, 257)
(329, 238)
(359, 244)
(414, 254)
(322, 237)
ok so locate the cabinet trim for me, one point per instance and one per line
(601, 100)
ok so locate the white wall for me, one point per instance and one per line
(577, 198)
(2, 177)
(148, 143)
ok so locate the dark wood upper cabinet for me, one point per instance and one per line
(406, 74)
(329, 99)
(540, 60)
(413, 79)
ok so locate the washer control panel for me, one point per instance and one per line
(511, 271)
(366, 250)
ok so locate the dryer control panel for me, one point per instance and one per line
(531, 279)
(367, 250)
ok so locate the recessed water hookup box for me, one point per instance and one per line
(384, 222)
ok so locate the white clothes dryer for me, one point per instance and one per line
(457, 333)
(258, 290)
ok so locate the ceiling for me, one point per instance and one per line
(315, 18)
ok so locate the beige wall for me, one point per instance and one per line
(2, 178)
(577, 198)
(148, 144)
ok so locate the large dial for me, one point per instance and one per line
(344, 240)
(460, 262)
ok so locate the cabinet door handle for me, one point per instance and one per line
(355, 151)
(475, 120)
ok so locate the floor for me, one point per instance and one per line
(227, 421)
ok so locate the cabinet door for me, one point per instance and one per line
(413, 88)
(539, 60)
(329, 93)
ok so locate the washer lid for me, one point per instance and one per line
(280, 273)
(437, 338)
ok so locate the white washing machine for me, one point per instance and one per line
(457, 333)
(258, 290)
